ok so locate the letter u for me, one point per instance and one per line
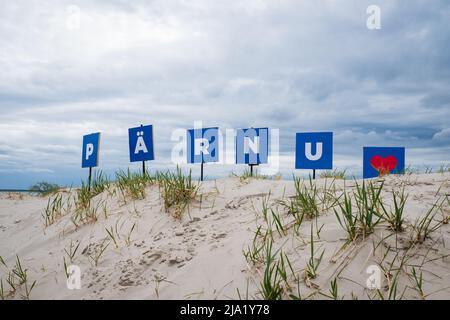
(308, 151)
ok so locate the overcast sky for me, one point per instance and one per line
(69, 68)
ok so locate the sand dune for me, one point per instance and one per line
(201, 256)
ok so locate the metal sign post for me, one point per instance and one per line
(90, 179)
(143, 161)
(251, 168)
(201, 171)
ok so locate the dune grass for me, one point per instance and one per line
(271, 288)
(335, 174)
(96, 255)
(368, 197)
(54, 210)
(177, 191)
(347, 218)
(427, 224)
(72, 250)
(314, 262)
(89, 214)
(17, 279)
(84, 196)
(361, 217)
(246, 175)
(418, 283)
(305, 202)
(85, 212)
(58, 206)
(394, 216)
(132, 184)
(100, 182)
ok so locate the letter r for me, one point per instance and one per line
(201, 146)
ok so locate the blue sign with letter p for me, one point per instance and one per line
(141, 143)
(203, 145)
(314, 150)
(91, 150)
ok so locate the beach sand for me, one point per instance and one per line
(201, 255)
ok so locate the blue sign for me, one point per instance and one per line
(141, 143)
(314, 150)
(203, 145)
(252, 146)
(380, 161)
(91, 150)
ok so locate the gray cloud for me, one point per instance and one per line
(297, 66)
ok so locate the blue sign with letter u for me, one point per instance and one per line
(141, 143)
(203, 145)
(252, 146)
(91, 150)
(314, 150)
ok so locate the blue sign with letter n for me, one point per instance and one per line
(91, 150)
(252, 146)
(141, 143)
(380, 161)
(203, 145)
(314, 150)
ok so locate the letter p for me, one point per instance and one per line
(89, 150)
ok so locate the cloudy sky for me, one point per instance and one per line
(69, 68)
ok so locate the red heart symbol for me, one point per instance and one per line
(383, 165)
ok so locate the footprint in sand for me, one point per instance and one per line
(150, 258)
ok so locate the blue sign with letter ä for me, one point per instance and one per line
(252, 146)
(314, 150)
(91, 150)
(380, 161)
(141, 143)
(203, 145)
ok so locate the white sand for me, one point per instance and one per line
(201, 257)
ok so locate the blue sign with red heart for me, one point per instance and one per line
(380, 161)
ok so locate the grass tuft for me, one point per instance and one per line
(132, 184)
(54, 210)
(394, 216)
(304, 202)
(335, 174)
(424, 226)
(177, 191)
(246, 175)
(313, 262)
(362, 221)
(17, 278)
